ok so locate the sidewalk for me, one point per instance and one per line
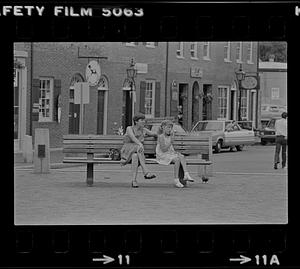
(61, 197)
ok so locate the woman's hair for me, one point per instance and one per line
(163, 124)
(137, 117)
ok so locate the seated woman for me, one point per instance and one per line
(133, 149)
(165, 153)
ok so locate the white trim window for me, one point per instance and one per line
(227, 50)
(206, 50)
(46, 99)
(275, 93)
(150, 99)
(239, 52)
(179, 51)
(250, 53)
(194, 51)
(223, 102)
(244, 104)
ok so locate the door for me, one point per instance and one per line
(237, 136)
(74, 114)
(100, 113)
(183, 102)
(126, 110)
(232, 104)
(207, 104)
(16, 110)
(195, 103)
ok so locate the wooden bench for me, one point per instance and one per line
(85, 148)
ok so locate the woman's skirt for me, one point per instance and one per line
(126, 152)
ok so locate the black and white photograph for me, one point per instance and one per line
(150, 133)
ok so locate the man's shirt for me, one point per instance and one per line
(281, 127)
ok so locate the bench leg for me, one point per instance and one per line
(90, 174)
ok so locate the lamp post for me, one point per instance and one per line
(240, 76)
(131, 74)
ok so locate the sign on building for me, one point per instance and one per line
(196, 72)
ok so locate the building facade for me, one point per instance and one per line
(197, 77)
(273, 77)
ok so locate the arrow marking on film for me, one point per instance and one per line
(242, 259)
(105, 259)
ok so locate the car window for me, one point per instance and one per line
(272, 124)
(208, 126)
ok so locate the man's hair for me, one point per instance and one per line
(284, 115)
(137, 117)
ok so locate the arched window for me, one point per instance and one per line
(103, 84)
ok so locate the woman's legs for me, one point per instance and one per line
(134, 166)
(142, 161)
(176, 172)
(184, 166)
(176, 166)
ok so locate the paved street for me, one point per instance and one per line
(244, 189)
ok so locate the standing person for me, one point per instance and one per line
(133, 149)
(165, 153)
(281, 140)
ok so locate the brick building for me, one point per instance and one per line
(198, 76)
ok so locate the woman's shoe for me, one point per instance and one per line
(188, 177)
(134, 184)
(177, 183)
(149, 176)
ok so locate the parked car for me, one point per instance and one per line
(225, 134)
(269, 111)
(267, 134)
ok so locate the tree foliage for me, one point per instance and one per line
(277, 49)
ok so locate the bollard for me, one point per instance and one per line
(41, 151)
(27, 149)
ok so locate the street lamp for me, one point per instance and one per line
(240, 76)
(131, 74)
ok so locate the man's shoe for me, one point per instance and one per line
(275, 166)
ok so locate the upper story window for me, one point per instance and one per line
(46, 99)
(227, 50)
(206, 50)
(179, 51)
(250, 53)
(193, 50)
(239, 52)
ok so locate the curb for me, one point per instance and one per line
(52, 165)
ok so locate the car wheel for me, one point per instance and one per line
(263, 142)
(218, 146)
(239, 147)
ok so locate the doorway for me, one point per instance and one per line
(126, 109)
(232, 104)
(207, 103)
(183, 102)
(16, 111)
(74, 114)
(195, 103)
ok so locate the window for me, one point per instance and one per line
(206, 51)
(250, 53)
(222, 102)
(149, 99)
(239, 52)
(179, 51)
(227, 49)
(244, 107)
(193, 50)
(275, 93)
(46, 99)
